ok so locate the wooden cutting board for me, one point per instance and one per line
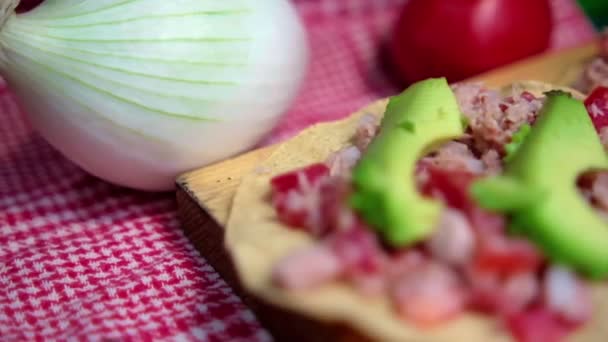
(204, 196)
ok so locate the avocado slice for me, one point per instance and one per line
(415, 122)
(516, 140)
(538, 187)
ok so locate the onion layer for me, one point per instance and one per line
(136, 92)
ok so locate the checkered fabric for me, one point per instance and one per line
(81, 259)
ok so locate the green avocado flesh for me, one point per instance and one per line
(516, 140)
(538, 188)
(418, 120)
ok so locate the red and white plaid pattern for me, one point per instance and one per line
(84, 260)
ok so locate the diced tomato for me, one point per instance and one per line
(294, 217)
(297, 200)
(451, 185)
(359, 250)
(293, 180)
(326, 208)
(500, 295)
(404, 261)
(336, 213)
(597, 106)
(538, 325)
(495, 250)
(506, 255)
(498, 252)
(486, 222)
(486, 294)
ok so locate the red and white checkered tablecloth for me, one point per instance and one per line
(84, 260)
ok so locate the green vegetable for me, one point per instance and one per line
(538, 188)
(516, 141)
(597, 11)
(415, 122)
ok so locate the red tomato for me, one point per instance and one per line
(503, 255)
(597, 106)
(452, 185)
(289, 181)
(293, 185)
(496, 250)
(335, 211)
(358, 249)
(296, 218)
(461, 38)
(538, 325)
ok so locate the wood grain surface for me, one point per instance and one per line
(204, 197)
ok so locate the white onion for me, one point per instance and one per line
(454, 240)
(566, 295)
(138, 91)
(307, 268)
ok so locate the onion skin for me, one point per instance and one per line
(134, 98)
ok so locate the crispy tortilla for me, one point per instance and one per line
(257, 241)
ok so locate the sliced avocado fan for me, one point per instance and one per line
(418, 120)
(538, 187)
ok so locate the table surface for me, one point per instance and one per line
(82, 259)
